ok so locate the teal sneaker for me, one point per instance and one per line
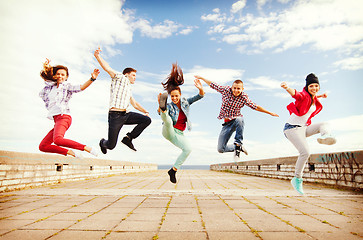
(297, 184)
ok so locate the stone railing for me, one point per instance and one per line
(20, 170)
(341, 169)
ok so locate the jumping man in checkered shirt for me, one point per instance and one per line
(233, 99)
(120, 99)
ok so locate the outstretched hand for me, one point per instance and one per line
(198, 84)
(284, 85)
(97, 52)
(95, 73)
(274, 114)
(325, 95)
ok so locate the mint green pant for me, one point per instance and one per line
(176, 137)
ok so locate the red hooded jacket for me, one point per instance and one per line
(302, 105)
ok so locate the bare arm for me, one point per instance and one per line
(291, 91)
(94, 75)
(202, 78)
(324, 95)
(261, 109)
(137, 106)
(105, 66)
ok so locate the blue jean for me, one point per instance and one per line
(236, 125)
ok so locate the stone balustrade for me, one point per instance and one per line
(340, 169)
(19, 170)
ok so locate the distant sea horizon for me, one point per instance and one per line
(196, 167)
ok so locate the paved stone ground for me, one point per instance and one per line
(202, 205)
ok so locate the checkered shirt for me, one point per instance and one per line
(231, 105)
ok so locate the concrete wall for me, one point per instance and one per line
(342, 169)
(19, 170)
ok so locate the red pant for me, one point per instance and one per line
(56, 136)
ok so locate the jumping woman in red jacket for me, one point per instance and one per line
(298, 127)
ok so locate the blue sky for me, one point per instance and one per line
(262, 42)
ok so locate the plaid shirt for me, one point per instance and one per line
(231, 105)
(64, 94)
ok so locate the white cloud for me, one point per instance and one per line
(352, 63)
(161, 30)
(220, 76)
(322, 25)
(214, 17)
(264, 82)
(238, 6)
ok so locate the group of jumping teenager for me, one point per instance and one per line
(175, 114)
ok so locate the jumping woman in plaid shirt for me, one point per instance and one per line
(233, 99)
(56, 95)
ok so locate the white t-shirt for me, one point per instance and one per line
(301, 120)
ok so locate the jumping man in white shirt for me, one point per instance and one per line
(120, 98)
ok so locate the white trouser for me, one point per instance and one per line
(297, 136)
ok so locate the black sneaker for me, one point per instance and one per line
(103, 149)
(172, 173)
(162, 101)
(237, 152)
(127, 141)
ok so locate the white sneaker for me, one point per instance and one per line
(94, 152)
(78, 155)
(327, 140)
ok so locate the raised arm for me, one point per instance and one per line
(94, 75)
(104, 64)
(261, 109)
(291, 91)
(202, 78)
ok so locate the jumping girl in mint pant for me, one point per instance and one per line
(299, 127)
(175, 115)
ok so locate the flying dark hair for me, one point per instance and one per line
(48, 72)
(174, 79)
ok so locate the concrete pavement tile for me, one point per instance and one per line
(231, 235)
(138, 226)
(28, 234)
(285, 235)
(333, 235)
(307, 223)
(68, 216)
(130, 235)
(48, 224)
(31, 215)
(182, 235)
(182, 217)
(79, 235)
(144, 217)
(116, 210)
(226, 226)
(183, 210)
(9, 224)
(181, 226)
(149, 211)
(88, 224)
(107, 216)
(270, 224)
(227, 216)
(51, 209)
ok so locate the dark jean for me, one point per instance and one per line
(117, 119)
